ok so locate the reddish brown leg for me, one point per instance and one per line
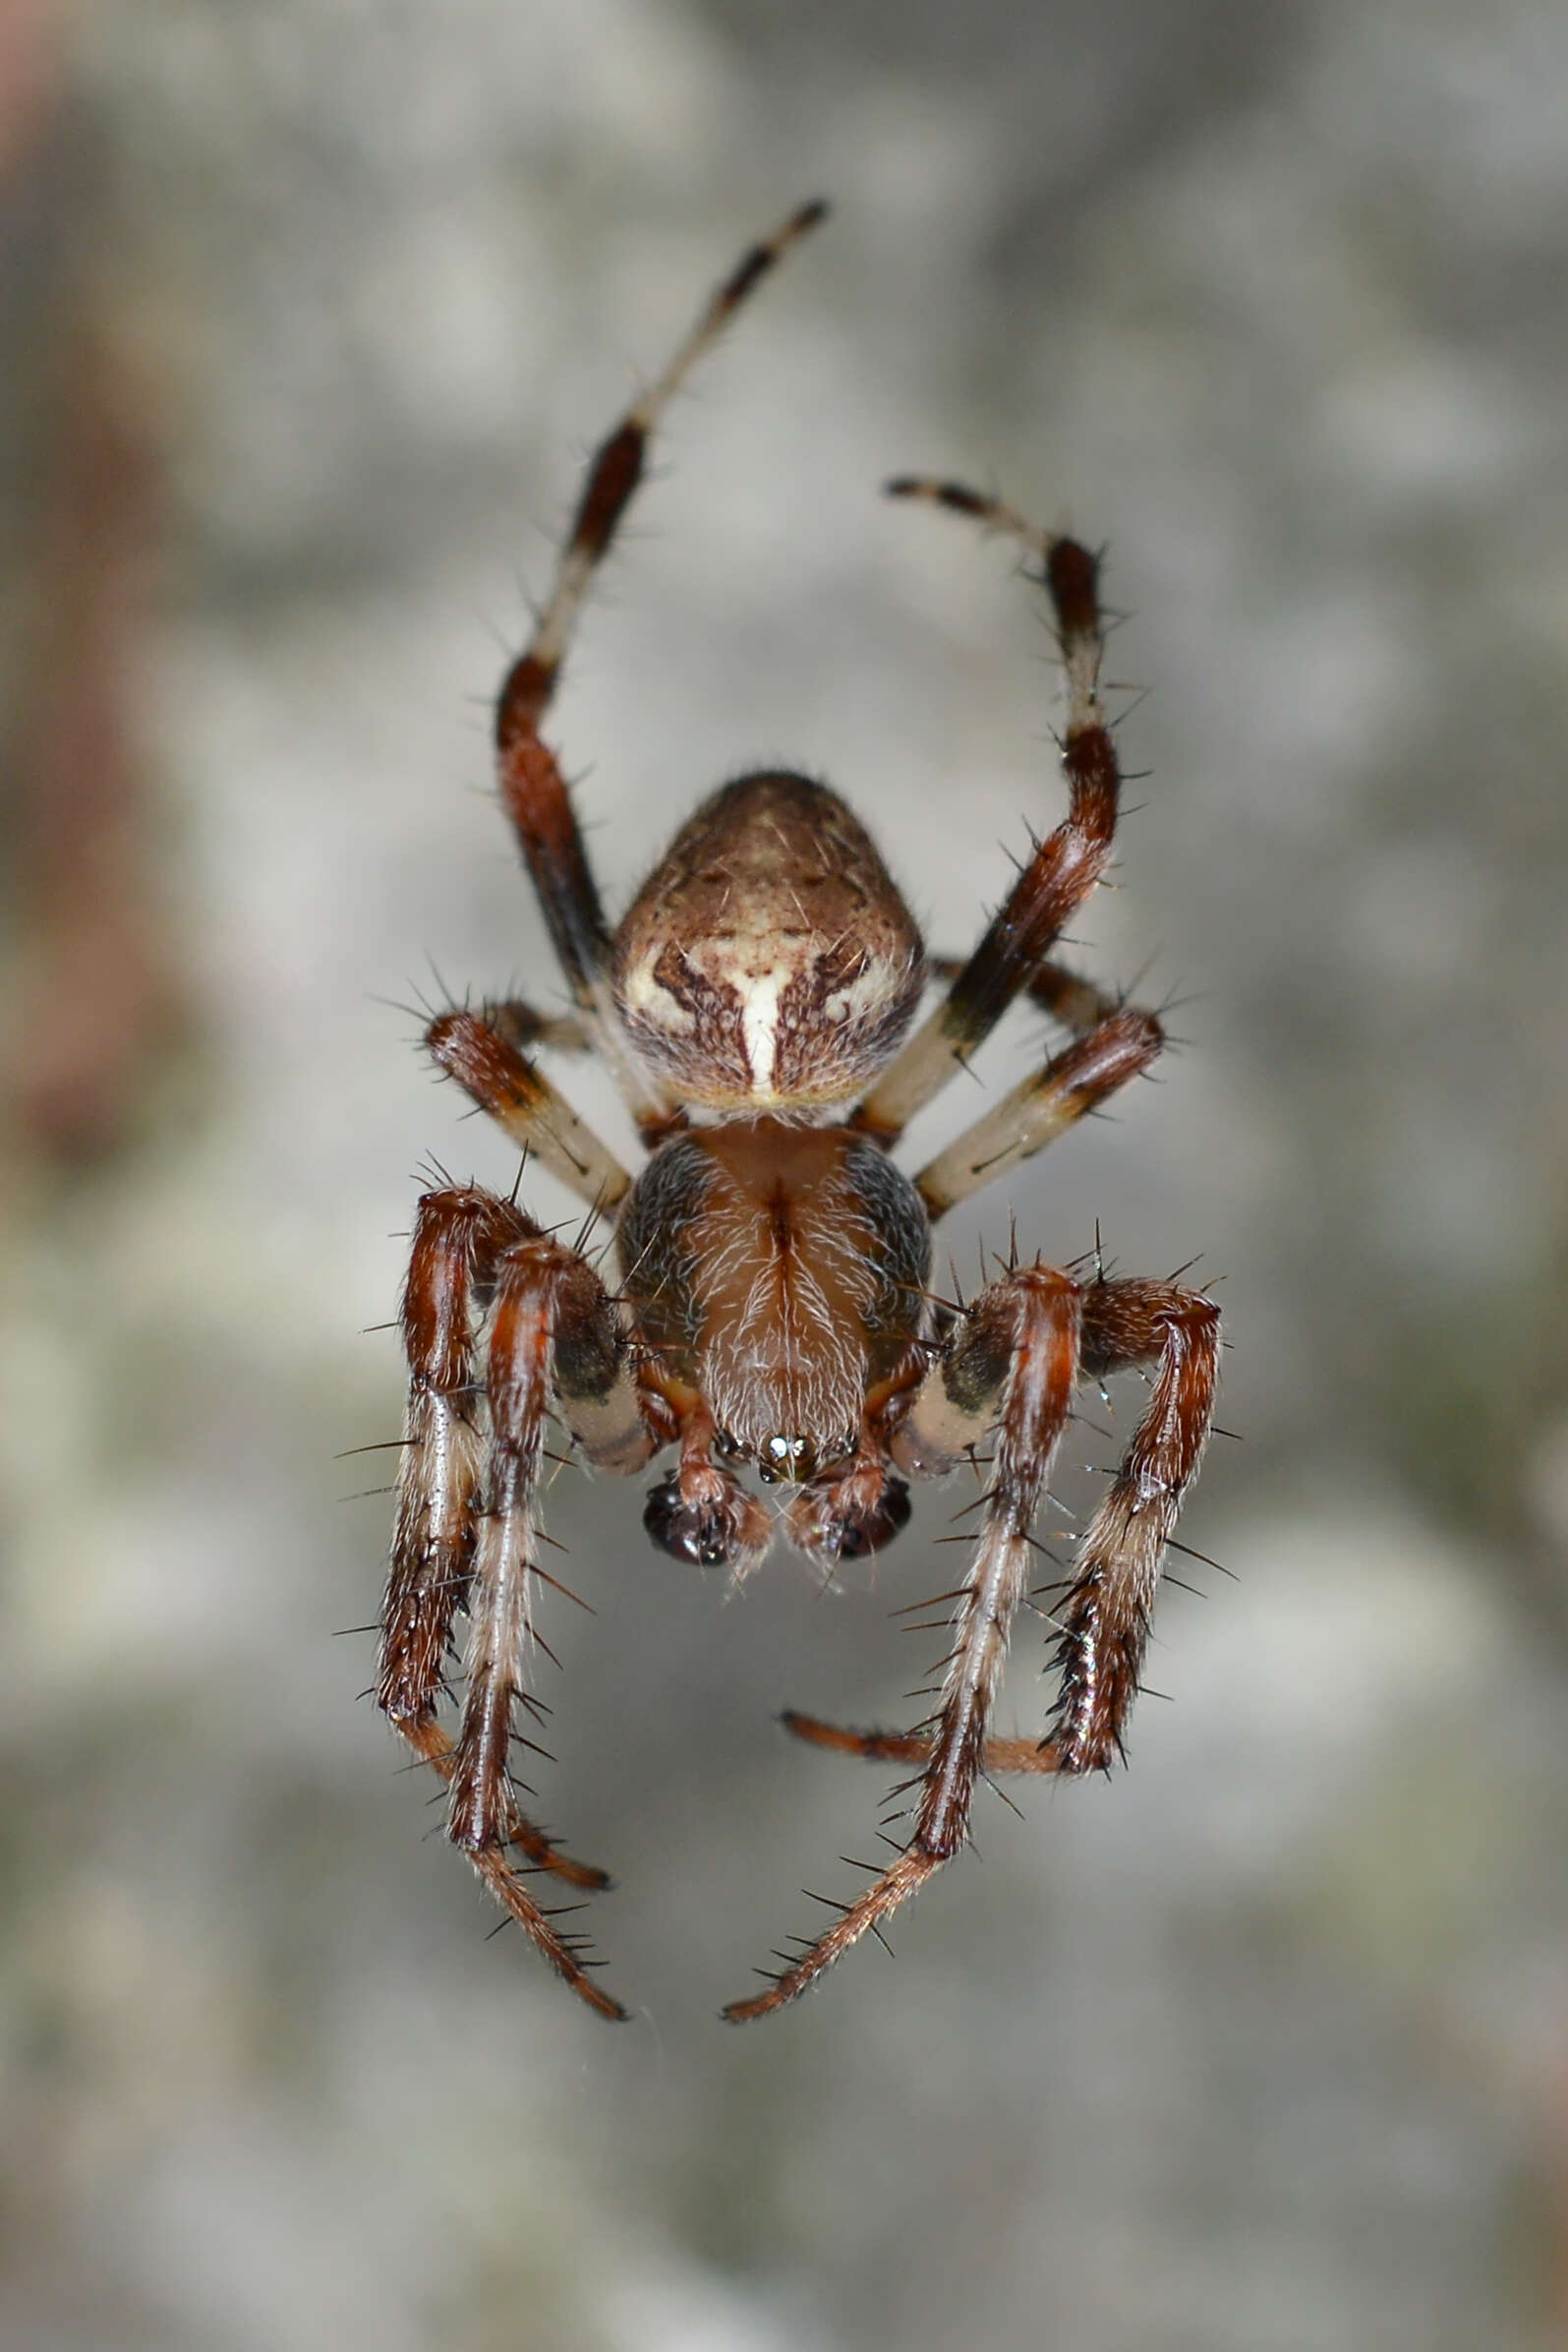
(458, 1237)
(1018, 1345)
(1116, 1041)
(1104, 1619)
(531, 787)
(514, 1092)
(1105, 1616)
(456, 1538)
(1065, 868)
(914, 1748)
(1077, 1003)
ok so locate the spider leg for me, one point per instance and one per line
(914, 1748)
(1105, 1615)
(1041, 1107)
(477, 1049)
(457, 1238)
(1065, 996)
(552, 1330)
(532, 787)
(1010, 1368)
(458, 1234)
(523, 1026)
(466, 1526)
(1064, 866)
(1104, 1619)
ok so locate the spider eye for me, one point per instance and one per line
(794, 1459)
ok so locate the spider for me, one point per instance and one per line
(757, 1005)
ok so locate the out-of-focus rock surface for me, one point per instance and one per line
(1263, 2044)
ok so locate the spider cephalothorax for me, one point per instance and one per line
(755, 1004)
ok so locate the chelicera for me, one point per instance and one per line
(765, 1303)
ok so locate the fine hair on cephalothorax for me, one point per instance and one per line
(766, 1301)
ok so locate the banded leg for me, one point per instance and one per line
(1105, 1618)
(1065, 996)
(1065, 868)
(552, 1334)
(466, 1531)
(1041, 1107)
(531, 787)
(477, 1049)
(459, 1236)
(1016, 1349)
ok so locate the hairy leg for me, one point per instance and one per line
(1104, 1618)
(458, 1238)
(552, 1334)
(1041, 1107)
(467, 1529)
(1064, 868)
(531, 787)
(1010, 1369)
(1079, 1005)
(914, 1748)
(459, 1235)
(476, 1050)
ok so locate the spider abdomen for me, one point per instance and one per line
(769, 962)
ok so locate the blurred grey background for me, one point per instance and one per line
(309, 315)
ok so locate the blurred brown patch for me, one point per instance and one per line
(92, 997)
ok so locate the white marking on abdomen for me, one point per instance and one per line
(759, 1021)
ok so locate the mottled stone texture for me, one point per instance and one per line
(1264, 2043)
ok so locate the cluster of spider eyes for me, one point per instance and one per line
(795, 1458)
